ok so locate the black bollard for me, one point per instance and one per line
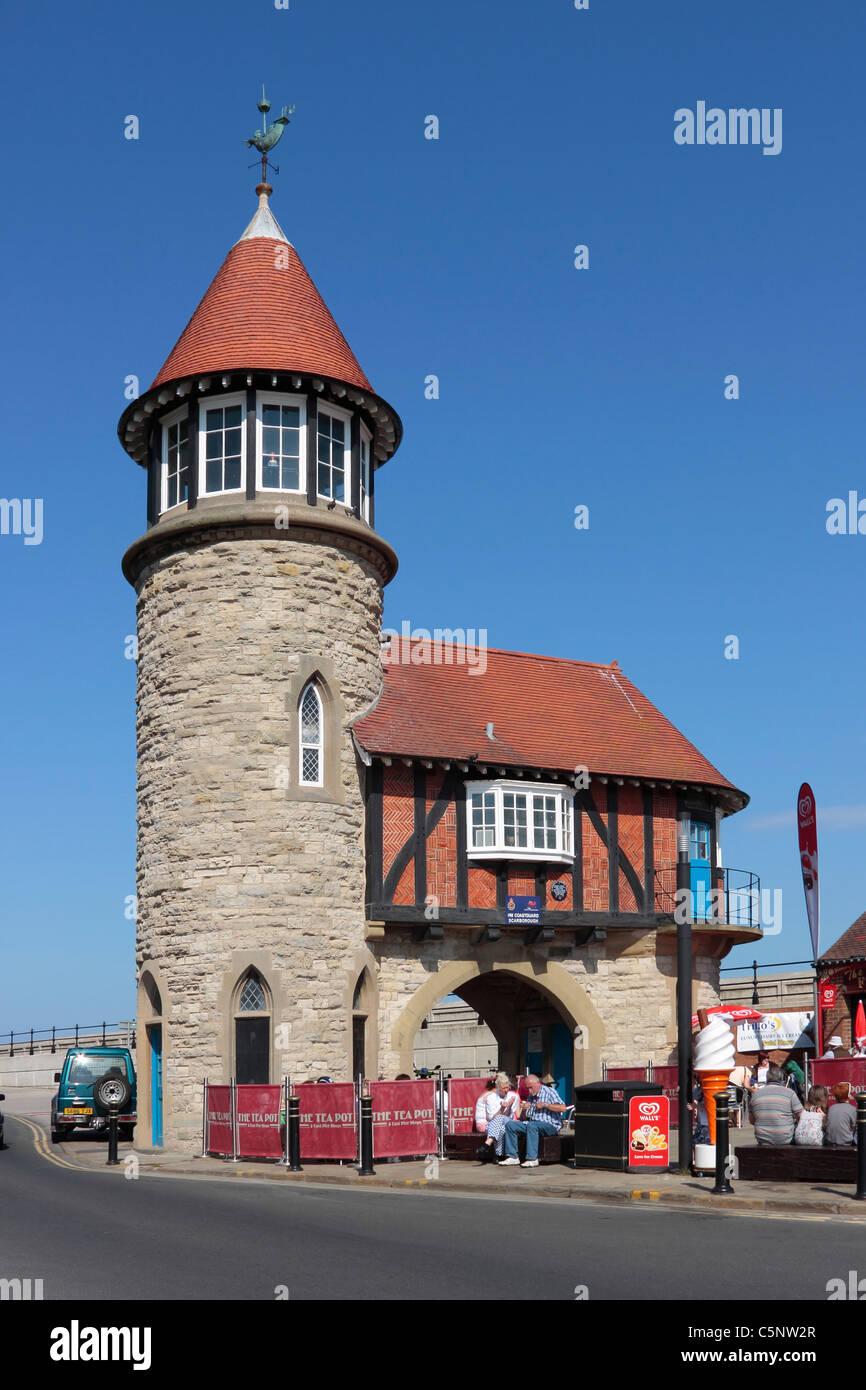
(860, 1194)
(294, 1119)
(366, 1169)
(723, 1186)
(112, 1138)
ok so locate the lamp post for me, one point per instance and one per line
(683, 918)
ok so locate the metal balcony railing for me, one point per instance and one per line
(732, 898)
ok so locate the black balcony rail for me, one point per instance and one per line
(36, 1040)
(733, 898)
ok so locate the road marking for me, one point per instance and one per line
(40, 1144)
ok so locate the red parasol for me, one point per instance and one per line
(860, 1026)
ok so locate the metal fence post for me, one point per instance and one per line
(723, 1186)
(204, 1126)
(53, 1041)
(860, 1194)
(234, 1109)
(366, 1170)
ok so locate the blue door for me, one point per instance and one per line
(699, 857)
(563, 1061)
(154, 1034)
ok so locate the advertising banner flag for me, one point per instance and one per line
(807, 825)
(737, 1013)
(404, 1118)
(219, 1120)
(827, 996)
(328, 1120)
(648, 1129)
(258, 1121)
(463, 1092)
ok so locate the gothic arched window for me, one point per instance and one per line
(311, 730)
(252, 1029)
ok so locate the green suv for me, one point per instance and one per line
(94, 1081)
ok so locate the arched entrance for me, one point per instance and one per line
(150, 1050)
(540, 1015)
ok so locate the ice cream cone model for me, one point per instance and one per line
(715, 1056)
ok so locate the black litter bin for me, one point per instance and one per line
(601, 1122)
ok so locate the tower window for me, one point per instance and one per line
(281, 425)
(222, 451)
(333, 433)
(311, 739)
(252, 999)
(175, 460)
(365, 474)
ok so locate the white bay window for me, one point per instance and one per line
(513, 820)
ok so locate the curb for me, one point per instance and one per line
(698, 1200)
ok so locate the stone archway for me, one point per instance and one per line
(493, 990)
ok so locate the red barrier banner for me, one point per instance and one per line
(845, 1069)
(626, 1074)
(463, 1092)
(258, 1121)
(218, 1135)
(404, 1118)
(327, 1120)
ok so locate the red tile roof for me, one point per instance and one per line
(546, 712)
(851, 944)
(261, 314)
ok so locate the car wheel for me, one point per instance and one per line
(111, 1091)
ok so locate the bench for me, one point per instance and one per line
(795, 1163)
(552, 1148)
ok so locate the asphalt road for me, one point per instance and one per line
(98, 1235)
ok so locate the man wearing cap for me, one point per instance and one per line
(830, 1055)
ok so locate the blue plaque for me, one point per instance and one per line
(522, 912)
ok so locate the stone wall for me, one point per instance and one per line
(233, 869)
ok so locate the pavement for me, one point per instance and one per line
(665, 1189)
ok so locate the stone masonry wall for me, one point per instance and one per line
(228, 864)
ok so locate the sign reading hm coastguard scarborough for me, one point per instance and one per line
(523, 912)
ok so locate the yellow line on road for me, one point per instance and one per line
(40, 1144)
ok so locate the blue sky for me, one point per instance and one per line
(557, 387)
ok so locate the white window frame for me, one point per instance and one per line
(225, 403)
(338, 413)
(264, 398)
(563, 853)
(165, 425)
(364, 493)
(320, 746)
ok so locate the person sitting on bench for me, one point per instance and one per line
(775, 1109)
(842, 1118)
(543, 1113)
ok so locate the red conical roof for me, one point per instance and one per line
(263, 312)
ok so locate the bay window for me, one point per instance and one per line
(508, 820)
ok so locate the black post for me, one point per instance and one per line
(294, 1121)
(723, 1185)
(860, 1194)
(12, 1044)
(76, 1035)
(683, 915)
(53, 1041)
(112, 1138)
(31, 1042)
(366, 1170)
(103, 1032)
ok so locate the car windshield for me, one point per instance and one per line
(84, 1069)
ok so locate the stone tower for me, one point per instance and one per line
(259, 580)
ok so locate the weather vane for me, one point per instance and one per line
(264, 140)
